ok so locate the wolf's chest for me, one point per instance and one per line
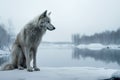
(34, 35)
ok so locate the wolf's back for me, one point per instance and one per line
(7, 66)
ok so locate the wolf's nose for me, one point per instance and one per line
(54, 28)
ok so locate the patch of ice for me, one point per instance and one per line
(97, 46)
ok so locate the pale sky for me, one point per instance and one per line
(68, 16)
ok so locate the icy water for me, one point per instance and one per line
(74, 57)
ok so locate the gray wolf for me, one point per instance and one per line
(24, 48)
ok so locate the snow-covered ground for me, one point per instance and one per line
(98, 46)
(58, 73)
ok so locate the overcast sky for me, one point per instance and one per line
(68, 16)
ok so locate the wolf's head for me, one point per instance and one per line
(44, 21)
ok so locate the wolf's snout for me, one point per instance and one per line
(53, 28)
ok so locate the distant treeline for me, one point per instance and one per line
(107, 37)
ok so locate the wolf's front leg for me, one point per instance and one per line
(34, 62)
(27, 56)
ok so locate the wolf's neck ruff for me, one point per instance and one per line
(35, 34)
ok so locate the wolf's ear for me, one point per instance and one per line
(44, 14)
(49, 13)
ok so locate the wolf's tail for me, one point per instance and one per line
(7, 66)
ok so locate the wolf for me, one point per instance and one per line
(24, 48)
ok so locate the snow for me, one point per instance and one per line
(58, 73)
(97, 46)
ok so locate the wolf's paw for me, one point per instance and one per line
(20, 68)
(36, 69)
(30, 69)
